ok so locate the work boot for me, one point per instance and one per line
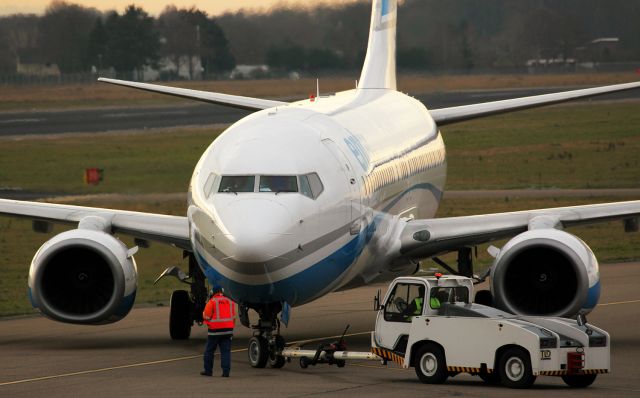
(205, 373)
(225, 375)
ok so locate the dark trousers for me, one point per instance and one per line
(224, 341)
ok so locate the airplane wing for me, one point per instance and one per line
(233, 101)
(457, 114)
(430, 237)
(172, 230)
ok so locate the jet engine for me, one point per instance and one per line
(545, 272)
(84, 277)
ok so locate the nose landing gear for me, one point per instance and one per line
(266, 345)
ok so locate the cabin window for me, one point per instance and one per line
(235, 184)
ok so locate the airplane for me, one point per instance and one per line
(301, 199)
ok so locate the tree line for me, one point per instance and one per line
(79, 39)
(432, 35)
(437, 34)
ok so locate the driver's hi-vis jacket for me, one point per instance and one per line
(219, 315)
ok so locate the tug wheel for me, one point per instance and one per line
(514, 368)
(579, 381)
(430, 365)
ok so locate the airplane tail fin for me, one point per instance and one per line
(379, 69)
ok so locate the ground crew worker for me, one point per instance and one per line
(417, 304)
(415, 308)
(435, 303)
(438, 296)
(219, 316)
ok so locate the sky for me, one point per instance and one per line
(154, 7)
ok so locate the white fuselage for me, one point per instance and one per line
(380, 158)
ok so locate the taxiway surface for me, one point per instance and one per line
(135, 357)
(196, 114)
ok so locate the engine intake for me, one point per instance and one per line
(83, 277)
(546, 272)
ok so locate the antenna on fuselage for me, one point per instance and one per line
(317, 88)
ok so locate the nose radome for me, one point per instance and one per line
(259, 230)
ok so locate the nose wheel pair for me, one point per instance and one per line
(264, 349)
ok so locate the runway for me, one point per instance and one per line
(197, 114)
(136, 356)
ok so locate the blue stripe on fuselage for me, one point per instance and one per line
(308, 284)
(297, 289)
(385, 7)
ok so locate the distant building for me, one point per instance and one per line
(168, 68)
(557, 64)
(28, 65)
(249, 71)
(603, 49)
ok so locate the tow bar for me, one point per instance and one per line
(334, 353)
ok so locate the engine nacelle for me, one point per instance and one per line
(546, 272)
(83, 276)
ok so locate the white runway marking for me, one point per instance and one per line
(143, 114)
(20, 121)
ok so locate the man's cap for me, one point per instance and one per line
(216, 288)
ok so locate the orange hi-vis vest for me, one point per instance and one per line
(219, 315)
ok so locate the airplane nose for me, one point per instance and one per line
(258, 230)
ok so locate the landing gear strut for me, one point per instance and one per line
(186, 306)
(266, 345)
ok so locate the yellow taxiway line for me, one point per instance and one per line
(136, 365)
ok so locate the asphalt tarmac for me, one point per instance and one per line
(135, 357)
(197, 114)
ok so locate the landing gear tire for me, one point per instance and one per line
(430, 365)
(579, 381)
(180, 315)
(276, 360)
(258, 352)
(514, 368)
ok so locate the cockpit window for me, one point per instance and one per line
(208, 185)
(305, 188)
(308, 185)
(278, 184)
(315, 184)
(237, 184)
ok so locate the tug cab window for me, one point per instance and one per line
(405, 301)
(237, 184)
(448, 295)
(278, 184)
